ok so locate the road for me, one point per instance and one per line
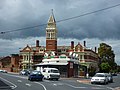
(16, 82)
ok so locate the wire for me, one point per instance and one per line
(20, 29)
(89, 13)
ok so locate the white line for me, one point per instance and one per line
(19, 81)
(41, 85)
(73, 86)
(13, 87)
(27, 84)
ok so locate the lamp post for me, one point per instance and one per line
(29, 61)
(87, 75)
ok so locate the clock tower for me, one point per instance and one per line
(51, 34)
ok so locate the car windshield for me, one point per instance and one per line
(36, 72)
(99, 75)
(54, 71)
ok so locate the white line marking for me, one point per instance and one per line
(54, 84)
(73, 86)
(41, 85)
(13, 85)
(27, 84)
(19, 81)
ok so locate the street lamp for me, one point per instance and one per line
(87, 74)
(29, 61)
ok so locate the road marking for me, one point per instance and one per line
(97, 88)
(17, 76)
(19, 80)
(27, 84)
(54, 84)
(41, 85)
(13, 85)
(73, 86)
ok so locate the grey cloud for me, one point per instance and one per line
(20, 13)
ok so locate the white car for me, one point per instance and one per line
(51, 73)
(3, 71)
(99, 78)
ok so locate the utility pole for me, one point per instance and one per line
(29, 61)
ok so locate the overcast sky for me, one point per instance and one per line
(95, 28)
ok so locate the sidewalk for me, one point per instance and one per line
(87, 81)
(84, 80)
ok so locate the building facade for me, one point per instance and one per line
(67, 65)
(10, 63)
(29, 56)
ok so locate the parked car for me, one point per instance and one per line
(51, 73)
(24, 72)
(3, 71)
(99, 78)
(114, 74)
(35, 75)
(110, 77)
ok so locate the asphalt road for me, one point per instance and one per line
(17, 82)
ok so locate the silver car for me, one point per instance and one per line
(110, 77)
(99, 78)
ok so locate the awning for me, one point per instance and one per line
(43, 64)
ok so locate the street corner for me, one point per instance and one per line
(87, 81)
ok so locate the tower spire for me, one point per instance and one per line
(51, 34)
(52, 11)
(51, 18)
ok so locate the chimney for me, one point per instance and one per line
(95, 49)
(84, 43)
(37, 43)
(72, 45)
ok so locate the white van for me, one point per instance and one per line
(51, 73)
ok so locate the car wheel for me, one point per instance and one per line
(41, 79)
(105, 82)
(30, 79)
(56, 79)
(92, 83)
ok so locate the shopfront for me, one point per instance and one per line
(68, 67)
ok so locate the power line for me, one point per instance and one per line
(85, 14)
(89, 13)
(20, 29)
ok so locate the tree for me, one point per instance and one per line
(105, 67)
(106, 54)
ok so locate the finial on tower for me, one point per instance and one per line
(52, 11)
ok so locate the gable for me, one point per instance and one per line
(26, 49)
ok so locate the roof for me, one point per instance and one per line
(63, 47)
(57, 61)
(5, 58)
(43, 64)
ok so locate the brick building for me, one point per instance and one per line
(10, 63)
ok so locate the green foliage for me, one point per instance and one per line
(107, 55)
(105, 67)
